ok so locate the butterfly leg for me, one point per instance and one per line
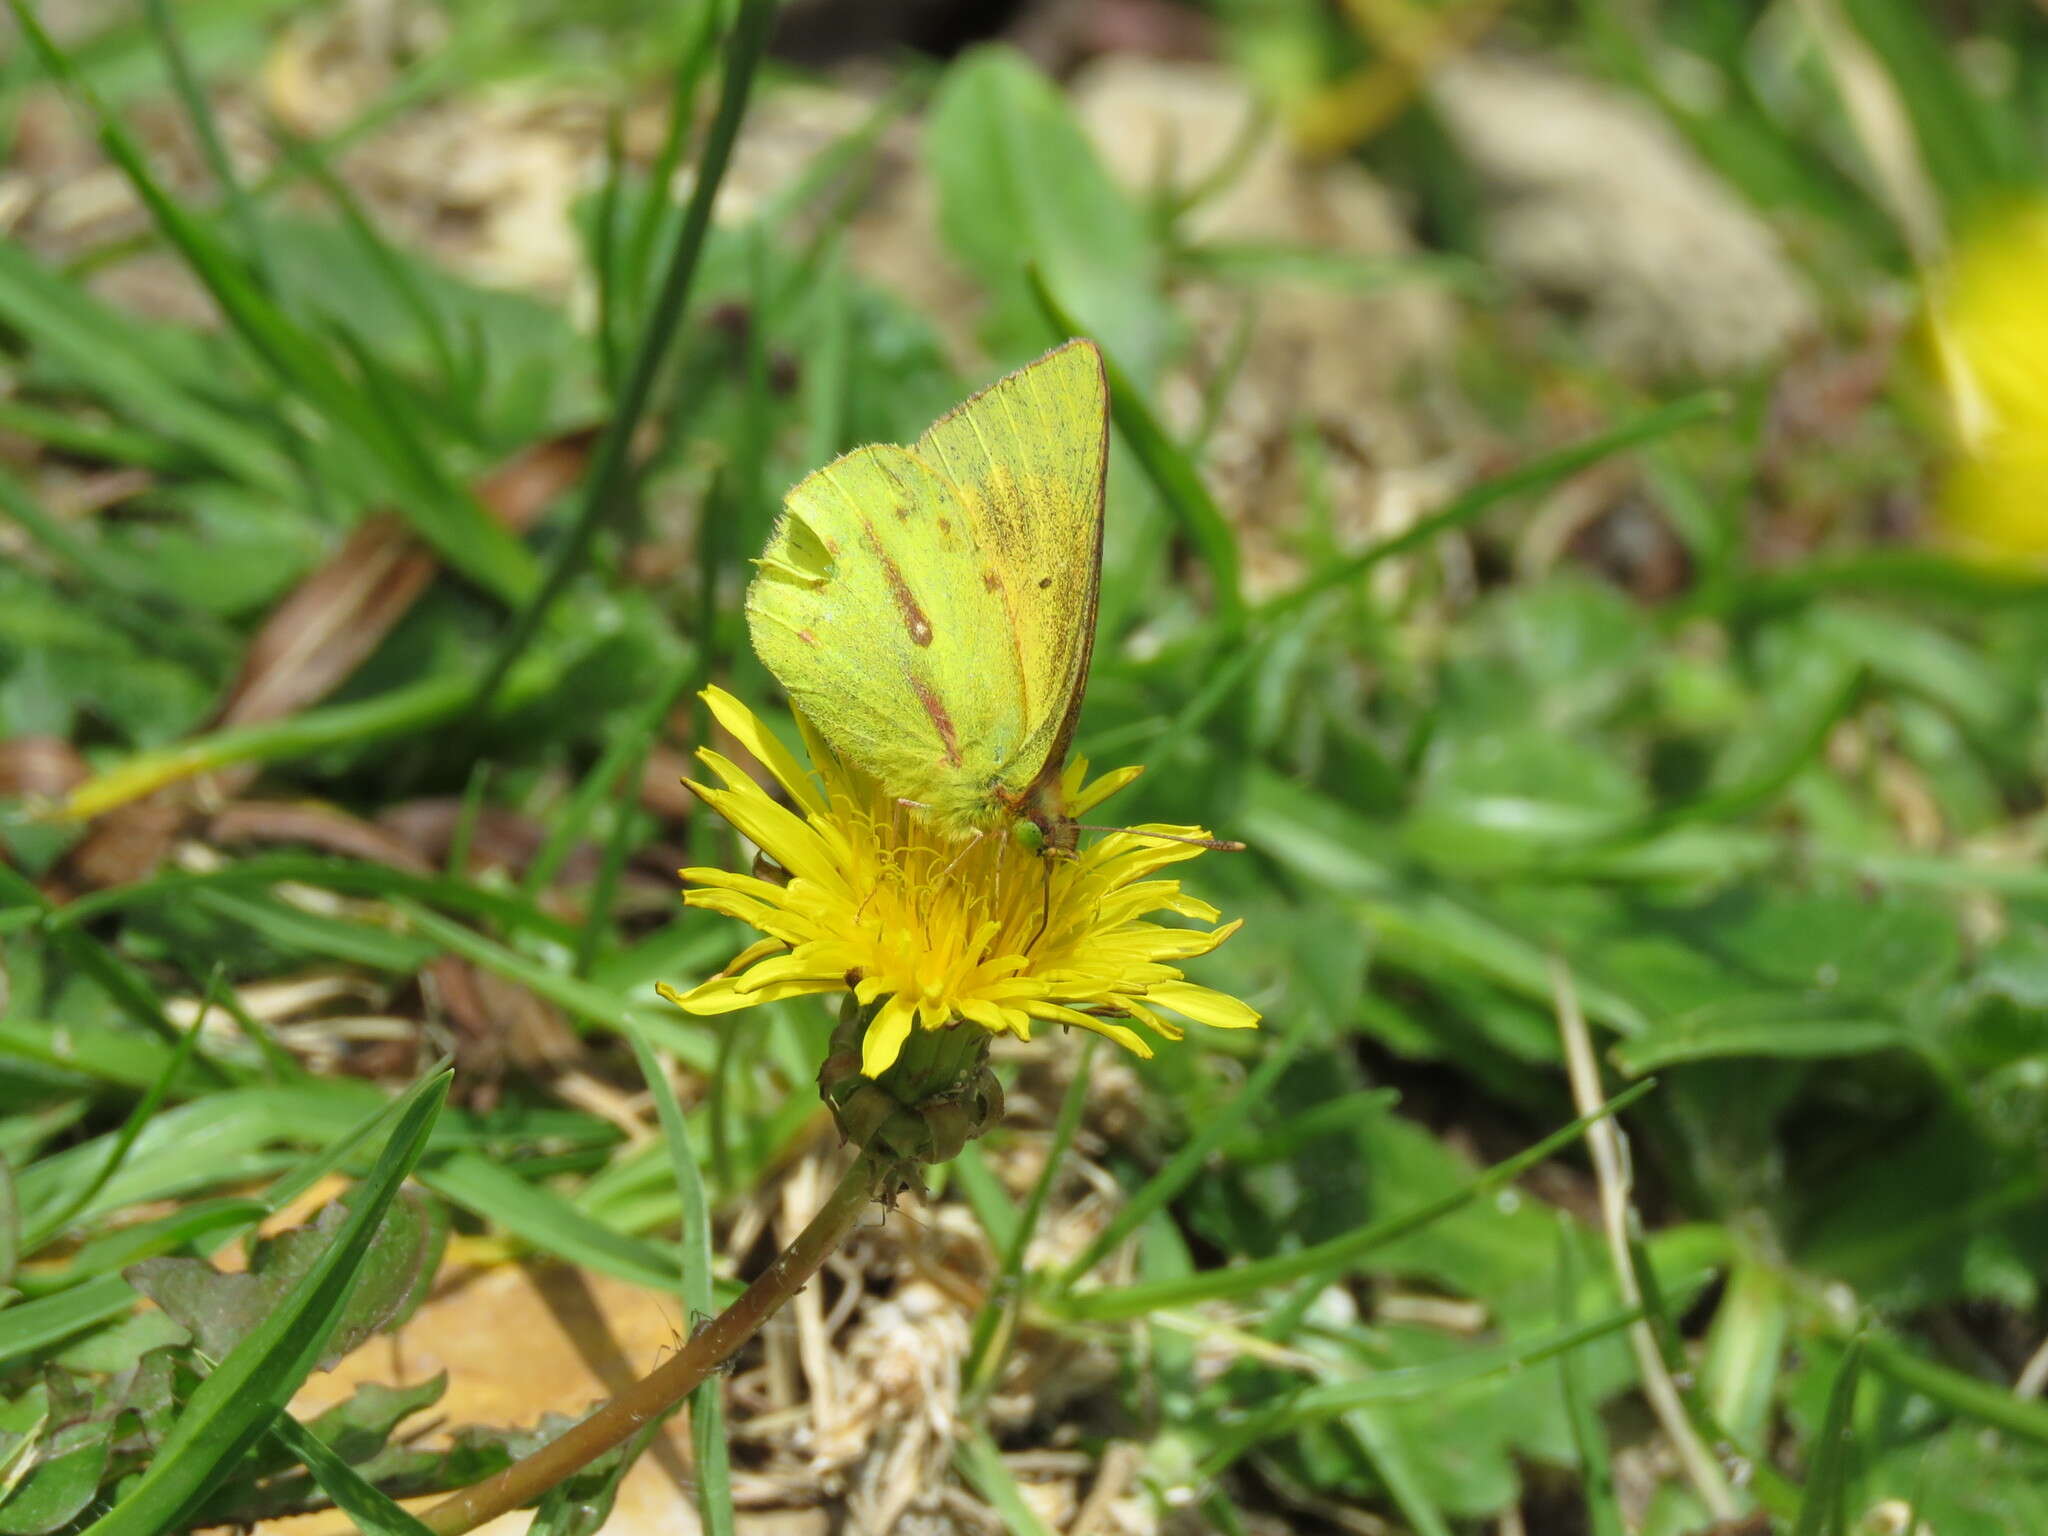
(965, 849)
(1047, 856)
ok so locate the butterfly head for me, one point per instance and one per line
(1046, 833)
(1040, 822)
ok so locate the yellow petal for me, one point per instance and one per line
(750, 954)
(886, 1034)
(994, 1018)
(1186, 943)
(1129, 1039)
(775, 829)
(721, 995)
(1092, 795)
(1204, 1005)
(755, 914)
(800, 965)
(1160, 1025)
(762, 744)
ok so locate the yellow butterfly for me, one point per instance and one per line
(931, 609)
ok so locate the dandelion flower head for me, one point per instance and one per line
(933, 931)
(1989, 317)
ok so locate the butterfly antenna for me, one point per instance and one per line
(1214, 844)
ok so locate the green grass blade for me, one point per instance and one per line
(398, 711)
(397, 276)
(707, 1403)
(1821, 1511)
(1993, 1402)
(1121, 1302)
(28, 1327)
(374, 1513)
(48, 1227)
(199, 113)
(682, 108)
(627, 822)
(346, 877)
(111, 1054)
(611, 460)
(1417, 1383)
(1187, 1164)
(243, 1394)
(588, 1002)
(983, 1191)
(1543, 470)
(98, 441)
(294, 1182)
(616, 772)
(1768, 1484)
(1178, 482)
(56, 535)
(1408, 1384)
(546, 1221)
(195, 1223)
(983, 1466)
(444, 513)
(604, 254)
(1596, 1469)
(1392, 1463)
(992, 1324)
(1739, 1375)
(130, 992)
(108, 352)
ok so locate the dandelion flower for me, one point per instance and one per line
(930, 932)
(1989, 316)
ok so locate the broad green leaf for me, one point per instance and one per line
(1019, 184)
(539, 1217)
(238, 1400)
(373, 1513)
(221, 1310)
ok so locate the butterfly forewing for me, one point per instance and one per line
(932, 609)
(1027, 457)
(863, 612)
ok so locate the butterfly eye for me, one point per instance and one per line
(1028, 835)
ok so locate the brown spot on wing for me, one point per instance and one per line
(942, 722)
(914, 618)
(807, 637)
(992, 581)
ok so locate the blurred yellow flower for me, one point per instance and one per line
(939, 931)
(1989, 315)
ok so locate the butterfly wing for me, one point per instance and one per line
(1025, 459)
(870, 609)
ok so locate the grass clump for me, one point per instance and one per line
(1619, 747)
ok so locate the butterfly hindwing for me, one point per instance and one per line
(931, 609)
(863, 610)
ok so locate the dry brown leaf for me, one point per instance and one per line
(337, 616)
(39, 767)
(313, 641)
(498, 838)
(318, 826)
(125, 845)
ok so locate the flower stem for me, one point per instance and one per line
(666, 1386)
